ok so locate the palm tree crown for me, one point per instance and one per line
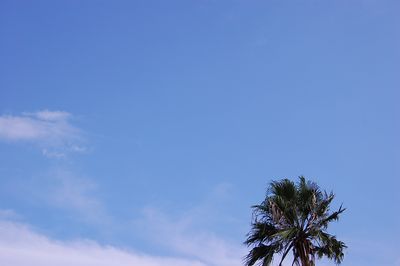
(293, 217)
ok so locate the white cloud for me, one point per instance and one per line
(21, 246)
(52, 131)
(23, 128)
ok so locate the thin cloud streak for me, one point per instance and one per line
(40, 126)
(52, 131)
(51, 115)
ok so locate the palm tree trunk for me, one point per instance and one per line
(304, 256)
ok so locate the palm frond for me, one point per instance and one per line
(261, 232)
(331, 247)
(262, 253)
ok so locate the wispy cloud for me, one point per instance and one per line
(21, 246)
(8, 214)
(205, 246)
(69, 192)
(78, 195)
(52, 131)
(187, 234)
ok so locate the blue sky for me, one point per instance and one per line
(141, 132)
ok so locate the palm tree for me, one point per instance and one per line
(293, 217)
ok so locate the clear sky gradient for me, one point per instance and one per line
(141, 132)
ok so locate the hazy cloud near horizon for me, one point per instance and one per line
(21, 246)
